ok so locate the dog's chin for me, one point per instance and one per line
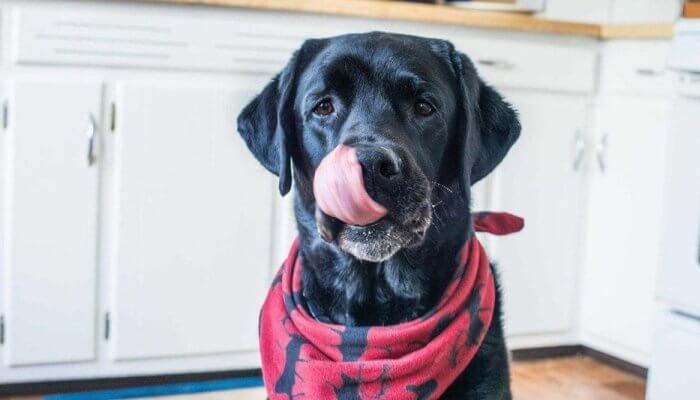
(379, 241)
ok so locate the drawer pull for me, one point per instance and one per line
(649, 72)
(496, 63)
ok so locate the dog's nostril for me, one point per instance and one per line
(380, 162)
(387, 169)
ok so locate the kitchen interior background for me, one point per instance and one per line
(127, 248)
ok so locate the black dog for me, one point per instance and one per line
(425, 128)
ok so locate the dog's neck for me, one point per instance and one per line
(339, 288)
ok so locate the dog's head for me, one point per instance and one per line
(414, 115)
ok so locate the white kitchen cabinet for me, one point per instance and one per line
(624, 226)
(49, 222)
(614, 11)
(538, 181)
(192, 223)
(674, 374)
(679, 264)
(631, 11)
(635, 68)
(4, 103)
(577, 10)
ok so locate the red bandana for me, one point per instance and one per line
(305, 358)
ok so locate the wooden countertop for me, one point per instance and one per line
(449, 15)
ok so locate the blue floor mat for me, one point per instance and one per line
(161, 390)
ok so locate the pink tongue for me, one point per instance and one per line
(340, 190)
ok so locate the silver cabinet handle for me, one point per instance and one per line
(601, 152)
(579, 149)
(496, 63)
(91, 133)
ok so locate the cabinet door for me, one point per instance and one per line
(537, 180)
(624, 225)
(50, 223)
(193, 223)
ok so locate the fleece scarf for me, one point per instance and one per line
(303, 358)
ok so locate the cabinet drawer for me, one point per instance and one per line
(532, 65)
(636, 68)
(114, 38)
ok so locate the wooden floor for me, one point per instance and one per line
(567, 378)
(574, 378)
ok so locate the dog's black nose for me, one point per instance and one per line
(383, 163)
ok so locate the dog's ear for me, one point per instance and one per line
(489, 124)
(267, 123)
(499, 128)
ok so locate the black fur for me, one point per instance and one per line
(390, 271)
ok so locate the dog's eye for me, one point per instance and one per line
(423, 108)
(324, 108)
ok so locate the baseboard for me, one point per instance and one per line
(538, 353)
(37, 388)
(43, 388)
(618, 363)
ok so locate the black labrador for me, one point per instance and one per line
(423, 100)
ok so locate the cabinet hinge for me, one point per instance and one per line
(2, 329)
(112, 117)
(107, 325)
(5, 114)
